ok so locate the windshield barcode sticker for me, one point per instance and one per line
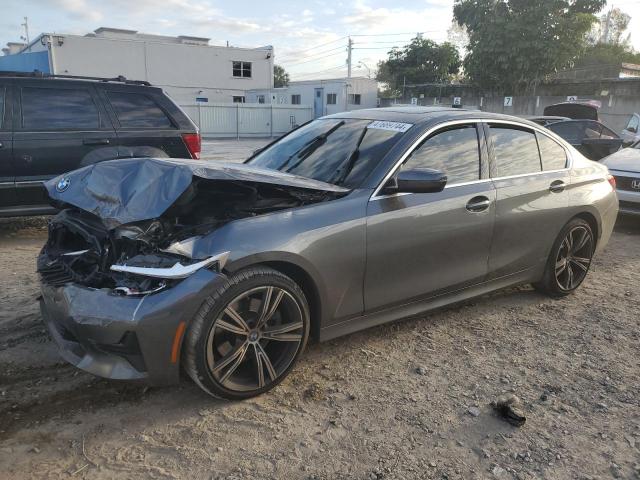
(393, 126)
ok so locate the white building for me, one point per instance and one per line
(187, 68)
(327, 96)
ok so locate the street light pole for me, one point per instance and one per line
(365, 66)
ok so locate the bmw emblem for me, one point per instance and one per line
(63, 184)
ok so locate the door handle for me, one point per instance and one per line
(96, 141)
(557, 186)
(1, 144)
(478, 204)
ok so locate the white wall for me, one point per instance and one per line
(367, 88)
(246, 119)
(184, 71)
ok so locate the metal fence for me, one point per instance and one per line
(247, 119)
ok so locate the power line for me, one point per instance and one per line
(387, 41)
(393, 34)
(318, 46)
(318, 53)
(312, 60)
(311, 74)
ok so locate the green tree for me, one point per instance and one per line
(421, 61)
(514, 44)
(280, 76)
(607, 54)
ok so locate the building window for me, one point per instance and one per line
(354, 98)
(332, 98)
(242, 69)
(238, 99)
(295, 99)
(260, 98)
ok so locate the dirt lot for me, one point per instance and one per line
(391, 402)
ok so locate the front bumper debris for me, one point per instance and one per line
(123, 337)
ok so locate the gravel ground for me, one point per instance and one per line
(406, 400)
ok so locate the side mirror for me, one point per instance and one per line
(632, 129)
(419, 180)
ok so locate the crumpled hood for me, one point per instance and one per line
(131, 190)
(627, 159)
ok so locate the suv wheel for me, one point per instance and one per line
(247, 335)
(569, 260)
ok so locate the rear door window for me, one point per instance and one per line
(455, 152)
(554, 156)
(515, 151)
(58, 109)
(135, 110)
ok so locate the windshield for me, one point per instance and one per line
(338, 151)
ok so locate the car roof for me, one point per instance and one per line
(424, 115)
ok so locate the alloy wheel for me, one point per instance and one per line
(255, 339)
(574, 258)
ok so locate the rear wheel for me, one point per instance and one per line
(247, 335)
(569, 260)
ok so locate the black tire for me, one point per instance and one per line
(563, 272)
(213, 330)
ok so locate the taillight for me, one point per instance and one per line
(193, 143)
(612, 181)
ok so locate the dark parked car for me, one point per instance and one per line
(53, 124)
(591, 138)
(581, 128)
(350, 221)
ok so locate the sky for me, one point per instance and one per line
(309, 37)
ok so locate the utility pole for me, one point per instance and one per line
(606, 26)
(26, 30)
(349, 48)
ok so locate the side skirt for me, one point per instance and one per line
(425, 305)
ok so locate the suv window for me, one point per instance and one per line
(554, 156)
(58, 108)
(2, 90)
(135, 110)
(515, 151)
(455, 152)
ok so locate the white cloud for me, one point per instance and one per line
(80, 9)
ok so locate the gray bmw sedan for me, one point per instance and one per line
(352, 220)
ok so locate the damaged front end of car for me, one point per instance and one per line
(120, 273)
(131, 225)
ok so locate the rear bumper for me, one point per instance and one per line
(124, 338)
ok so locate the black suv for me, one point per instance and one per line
(51, 124)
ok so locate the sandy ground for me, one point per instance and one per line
(407, 400)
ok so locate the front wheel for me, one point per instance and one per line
(569, 260)
(247, 335)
